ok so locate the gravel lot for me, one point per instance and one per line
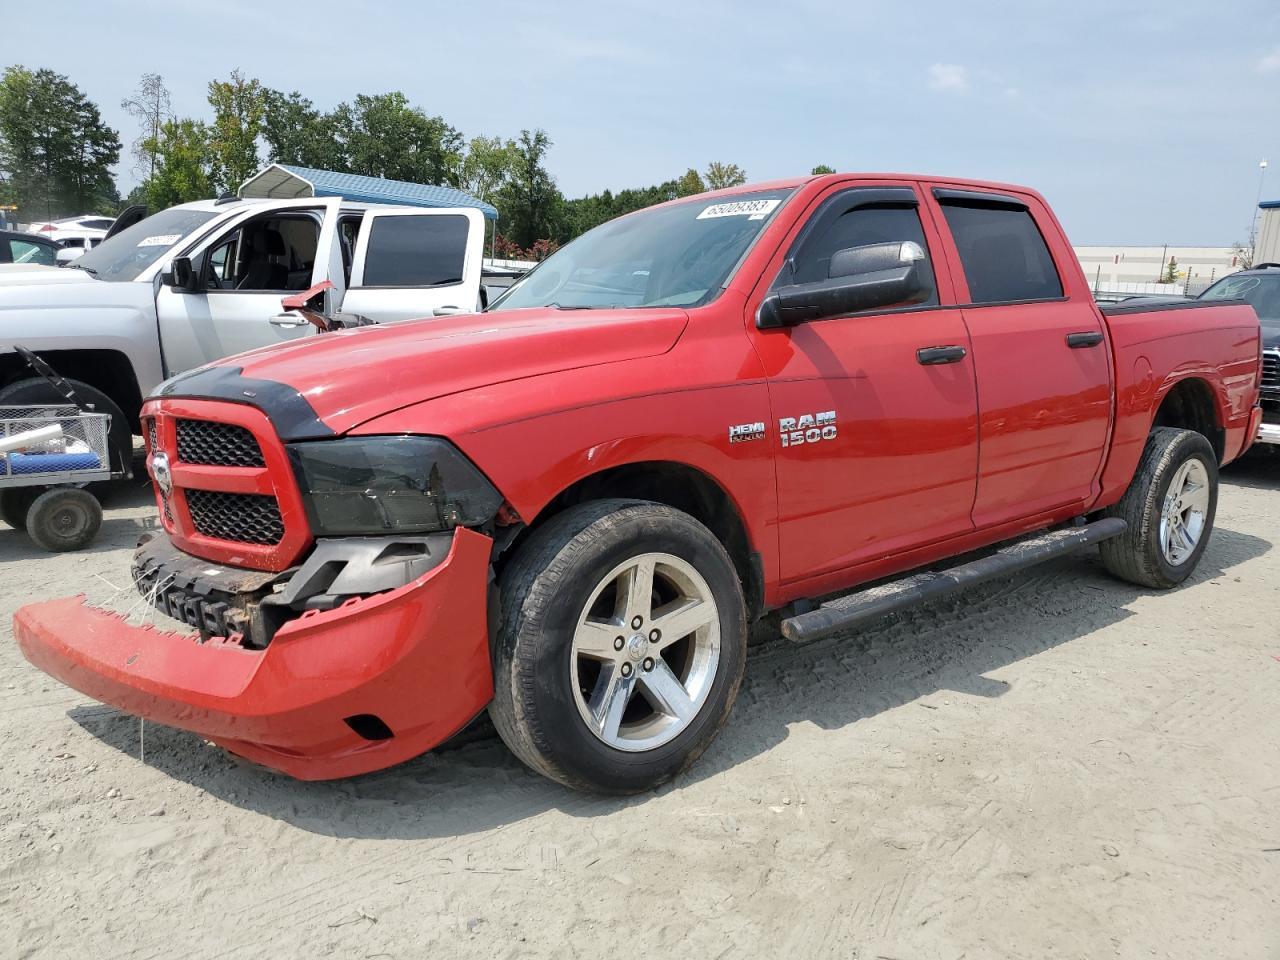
(1055, 765)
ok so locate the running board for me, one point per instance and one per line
(855, 608)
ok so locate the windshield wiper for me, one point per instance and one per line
(80, 266)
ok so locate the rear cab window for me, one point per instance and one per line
(1003, 253)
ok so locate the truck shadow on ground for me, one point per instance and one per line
(474, 784)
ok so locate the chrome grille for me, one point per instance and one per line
(209, 443)
(240, 517)
(1271, 370)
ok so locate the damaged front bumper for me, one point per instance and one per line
(344, 687)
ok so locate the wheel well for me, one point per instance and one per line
(107, 370)
(683, 488)
(1190, 406)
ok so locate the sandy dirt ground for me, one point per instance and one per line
(1055, 765)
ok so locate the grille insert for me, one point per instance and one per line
(1271, 371)
(241, 517)
(209, 443)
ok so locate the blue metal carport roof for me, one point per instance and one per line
(282, 181)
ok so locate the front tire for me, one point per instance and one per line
(1170, 508)
(621, 646)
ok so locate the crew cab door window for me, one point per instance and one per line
(242, 274)
(875, 451)
(416, 262)
(836, 229)
(1045, 404)
(1002, 251)
(23, 252)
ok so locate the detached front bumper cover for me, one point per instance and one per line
(416, 658)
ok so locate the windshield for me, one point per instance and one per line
(1261, 290)
(677, 256)
(135, 248)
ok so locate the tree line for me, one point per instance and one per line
(56, 154)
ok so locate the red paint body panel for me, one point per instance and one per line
(416, 657)
(926, 462)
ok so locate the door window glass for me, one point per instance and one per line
(1003, 253)
(416, 251)
(23, 252)
(861, 226)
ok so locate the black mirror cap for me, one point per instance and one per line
(903, 285)
(181, 274)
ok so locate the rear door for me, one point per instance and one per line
(243, 272)
(416, 262)
(1039, 350)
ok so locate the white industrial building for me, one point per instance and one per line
(1268, 243)
(1139, 269)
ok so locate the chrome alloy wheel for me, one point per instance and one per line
(1182, 519)
(645, 652)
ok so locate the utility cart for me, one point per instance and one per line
(48, 454)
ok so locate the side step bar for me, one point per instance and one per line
(856, 608)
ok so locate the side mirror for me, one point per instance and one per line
(859, 278)
(181, 275)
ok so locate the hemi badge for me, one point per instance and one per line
(743, 432)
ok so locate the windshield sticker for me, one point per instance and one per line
(752, 209)
(164, 240)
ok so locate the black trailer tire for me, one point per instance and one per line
(557, 599)
(64, 518)
(1153, 552)
(120, 437)
(15, 504)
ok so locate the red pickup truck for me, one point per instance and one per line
(821, 398)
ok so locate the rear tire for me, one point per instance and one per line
(64, 518)
(569, 701)
(1170, 508)
(15, 504)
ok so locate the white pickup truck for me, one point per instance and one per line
(204, 280)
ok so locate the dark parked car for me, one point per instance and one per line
(18, 247)
(1260, 286)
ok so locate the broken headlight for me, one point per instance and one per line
(379, 485)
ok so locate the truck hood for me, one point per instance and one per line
(39, 275)
(1270, 335)
(350, 376)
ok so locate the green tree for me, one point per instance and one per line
(690, 184)
(488, 166)
(239, 106)
(384, 136)
(299, 134)
(150, 106)
(530, 204)
(1171, 272)
(722, 175)
(822, 168)
(184, 164)
(56, 153)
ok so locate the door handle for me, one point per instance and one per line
(287, 320)
(1078, 341)
(446, 311)
(932, 356)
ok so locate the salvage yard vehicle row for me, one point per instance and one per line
(569, 508)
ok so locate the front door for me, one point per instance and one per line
(242, 274)
(876, 439)
(1039, 352)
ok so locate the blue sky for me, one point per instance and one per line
(1142, 122)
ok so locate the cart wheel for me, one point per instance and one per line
(64, 518)
(16, 503)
